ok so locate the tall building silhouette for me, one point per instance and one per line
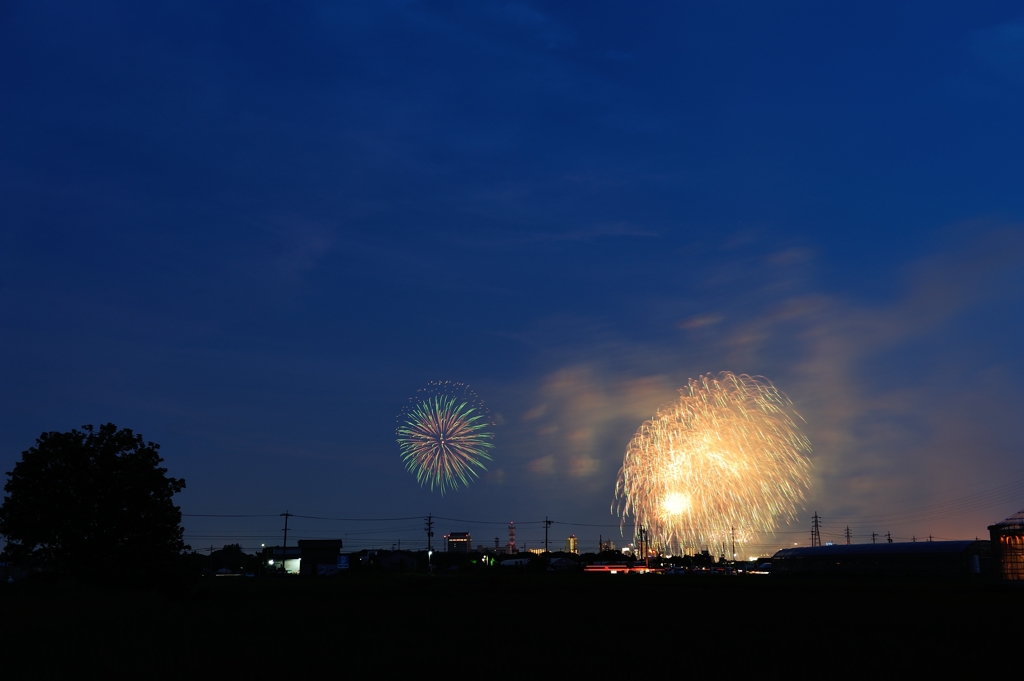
(459, 542)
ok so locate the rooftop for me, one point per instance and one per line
(1015, 521)
(886, 548)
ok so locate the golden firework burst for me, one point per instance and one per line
(726, 459)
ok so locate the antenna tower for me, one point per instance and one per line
(512, 537)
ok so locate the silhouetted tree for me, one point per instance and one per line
(92, 503)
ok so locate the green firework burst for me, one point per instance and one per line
(444, 435)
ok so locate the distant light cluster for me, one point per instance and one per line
(725, 460)
(444, 437)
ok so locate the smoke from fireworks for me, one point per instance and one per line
(443, 435)
(725, 459)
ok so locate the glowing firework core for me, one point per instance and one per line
(443, 435)
(675, 503)
(725, 459)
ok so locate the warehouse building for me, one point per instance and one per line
(1008, 547)
(904, 559)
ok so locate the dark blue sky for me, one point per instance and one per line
(251, 231)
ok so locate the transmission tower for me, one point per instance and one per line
(816, 530)
(512, 537)
(641, 537)
(848, 535)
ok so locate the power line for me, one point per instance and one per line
(357, 520)
(228, 515)
(295, 515)
(970, 502)
(488, 522)
(612, 525)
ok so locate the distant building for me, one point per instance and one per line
(1008, 547)
(285, 560)
(910, 559)
(309, 557)
(399, 561)
(571, 546)
(321, 556)
(459, 542)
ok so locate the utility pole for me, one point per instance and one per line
(848, 542)
(929, 537)
(547, 524)
(873, 535)
(284, 547)
(888, 536)
(816, 530)
(732, 532)
(430, 534)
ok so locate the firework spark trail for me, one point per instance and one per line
(726, 457)
(443, 435)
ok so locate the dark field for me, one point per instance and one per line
(510, 621)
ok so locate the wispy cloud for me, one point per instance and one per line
(898, 402)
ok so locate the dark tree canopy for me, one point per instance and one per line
(92, 502)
